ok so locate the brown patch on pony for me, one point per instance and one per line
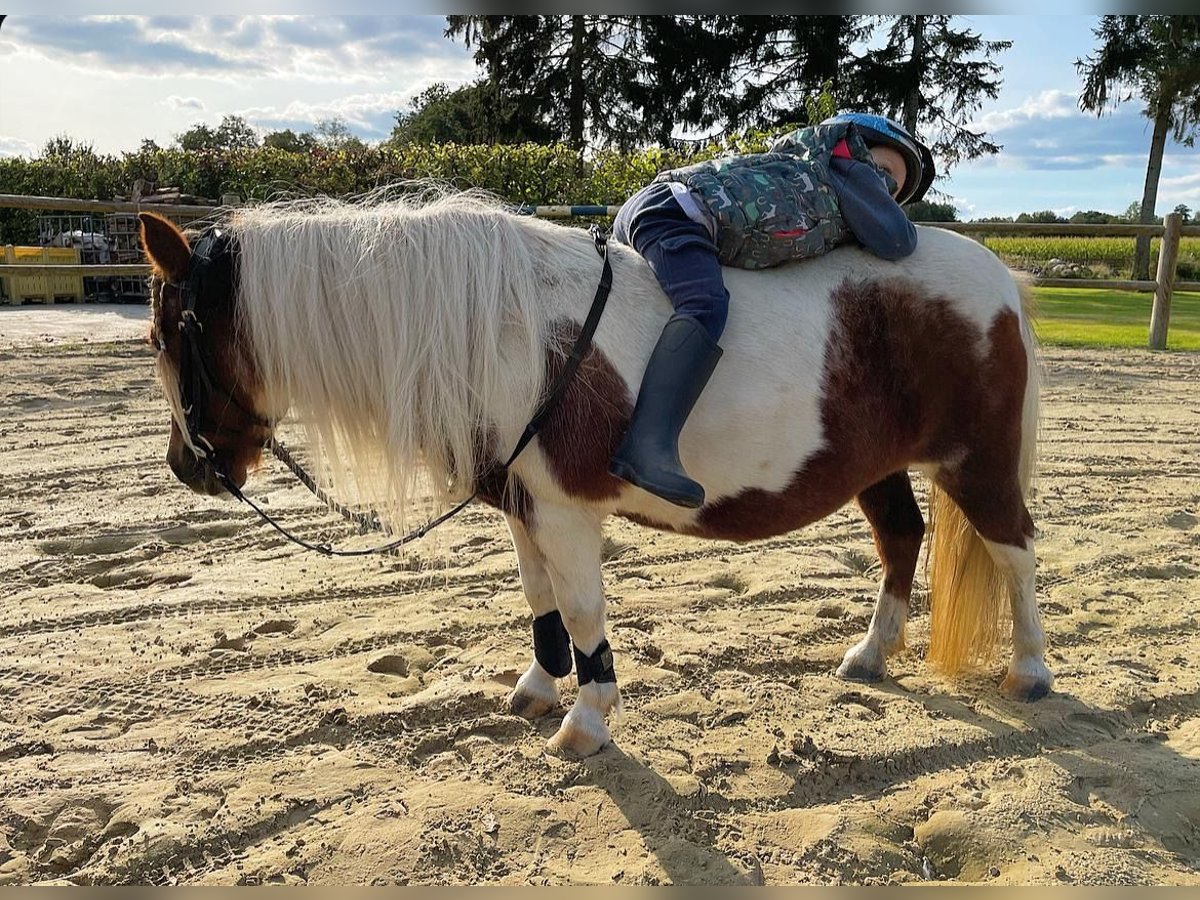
(903, 383)
(986, 485)
(582, 433)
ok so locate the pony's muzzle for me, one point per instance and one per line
(196, 473)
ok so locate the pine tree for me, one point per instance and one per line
(627, 80)
(570, 71)
(1159, 57)
(932, 78)
(778, 63)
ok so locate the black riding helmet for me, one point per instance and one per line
(917, 158)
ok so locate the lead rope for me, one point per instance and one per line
(370, 522)
(365, 521)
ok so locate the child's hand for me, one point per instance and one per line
(892, 164)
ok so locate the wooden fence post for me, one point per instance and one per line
(1168, 256)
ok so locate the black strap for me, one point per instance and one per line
(555, 394)
(196, 380)
(326, 549)
(598, 667)
(578, 351)
(552, 644)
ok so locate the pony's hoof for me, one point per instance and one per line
(528, 705)
(853, 671)
(1032, 684)
(535, 694)
(861, 665)
(579, 735)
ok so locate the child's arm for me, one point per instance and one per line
(870, 212)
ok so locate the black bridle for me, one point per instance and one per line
(197, 385)
(196, 380)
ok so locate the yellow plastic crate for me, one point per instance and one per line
(42, 288)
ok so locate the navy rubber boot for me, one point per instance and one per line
(679, 368)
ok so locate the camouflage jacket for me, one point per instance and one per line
(778, 206)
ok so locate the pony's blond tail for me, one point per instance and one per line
(968, 593)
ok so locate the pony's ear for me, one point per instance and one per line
(165, 246)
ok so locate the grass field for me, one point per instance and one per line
(1079, 317)
(1107, 256)
(1092, 318)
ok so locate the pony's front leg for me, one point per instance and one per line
(536, 692)
(570, 541)
(892, 510)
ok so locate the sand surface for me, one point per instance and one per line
(38, 325)
(183, 698)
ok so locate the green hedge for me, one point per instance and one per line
(519, 173)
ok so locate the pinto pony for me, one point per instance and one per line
(415, 339)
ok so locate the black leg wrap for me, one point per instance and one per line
(551, 645)
(598, 667)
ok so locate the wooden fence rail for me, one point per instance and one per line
(67, 204)
(127, 270)
(1164, 284)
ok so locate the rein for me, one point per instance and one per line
(199, 381)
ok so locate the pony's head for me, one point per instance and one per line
(203, 357)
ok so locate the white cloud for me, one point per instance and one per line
(370, 116)
(1054, 104)
(1050, 132)
(13, 146)
(964, 207)
(344, 49)
(1183, 182)
(1181, 189)
(177, 102)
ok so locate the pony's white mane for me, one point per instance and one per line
(400, 332)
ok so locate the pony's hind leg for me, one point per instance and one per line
(536, 692)
(570, 541)
(996, 510)
(1028, 677)
(892, 511)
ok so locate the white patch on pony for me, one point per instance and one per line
(759, 416)
(758, 421)
(1018, 563)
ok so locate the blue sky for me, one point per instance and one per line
(114, 80)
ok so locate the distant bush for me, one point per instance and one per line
(518, 173)
(926, 211)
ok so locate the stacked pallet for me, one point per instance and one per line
(39, 288)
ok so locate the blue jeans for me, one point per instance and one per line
(680, 252)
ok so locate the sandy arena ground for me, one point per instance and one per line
(183, 698)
